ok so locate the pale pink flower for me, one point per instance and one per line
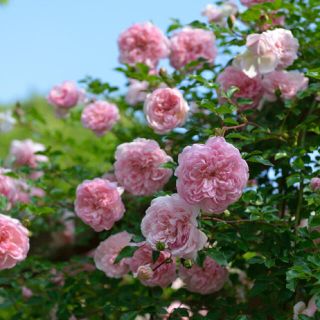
(165, 109)
(204, 280)
(219, 14)
(100, 117)
(7, 186)
(26, 292)
(289, 83)
(143, 43)
(249, 88)
(211, 175)
(249, 3)
(190, 44)
(315, 184)
(138, 167)
(301, 308)
(14, 242)
(173, 222)
(98, 204)
(24, 153)
(164, 269)
(137, 92)
(267, 52)
(64, 97)
(107, 252)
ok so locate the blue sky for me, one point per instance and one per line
(44, 42)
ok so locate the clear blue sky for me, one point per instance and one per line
(43, 42)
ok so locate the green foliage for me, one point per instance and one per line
(273, 261)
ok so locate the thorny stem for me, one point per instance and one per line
(168, 260)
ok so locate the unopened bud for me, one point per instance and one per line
(144, 273)
(160, 246)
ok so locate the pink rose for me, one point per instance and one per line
(301, 308)
(65, 96)
(137, 92)
(26, 292)
(190, 44)
(143, 43)
(173, 222)
(98, 204)
(164, 271)
(249, 88)
(100, 116)
(14, 242)
(220, 14)
(7, 186)
(249, 3)
(24, 153)
(268, 51)
(177, 305)
(288, 82)
(211, 175)
(315, 184)
(107, 252)
(208, 279)
(165, 109)
(138, 167)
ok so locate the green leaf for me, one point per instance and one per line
(280, 155)
(126, 252)
(260, 159)
(155, 255)
(218, 256)
(314, 73)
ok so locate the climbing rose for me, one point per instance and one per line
(288, 82)
(107, 252)
(204, 280)
(315, 184)
(165, 109)
(98, 204)
(173, 222)
(249, 3)
(211, 175)
(164, 272)
(268, 51)
(100, 116)
(190, 44)
(143, 43)
(65, 96)
(14, 242)
(137, 92)
(7, 186)
(138, 167)
(301, 308)
(220, 14)
(249, 88)
(24, 153)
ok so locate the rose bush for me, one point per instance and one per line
(195, 192)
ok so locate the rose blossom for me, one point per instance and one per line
(301, 308)
(24, 153)
(26, 292)
(7, 121)
(138, 167)
(220, 14)
(143, 43)
(211, 175)
(7, 186)
(137, 92)
(14, 242)
(165, 109)
(249, 88)
(249, 3)
(177, 305)
(208, 279)
(315, 184)
(164, 272)
(288, 82)
(190, 44)
(173, 222)
(98, 204)
(268, 51)
(100, 116)
(107, 252)
(65, 96)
